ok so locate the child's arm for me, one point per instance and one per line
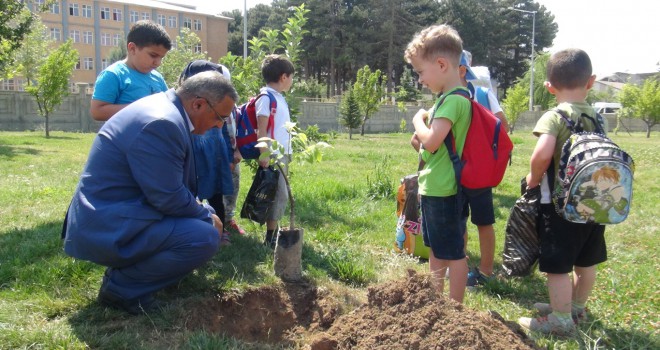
(433, 137)
(102, 111)
(262, 126)
(541, 157)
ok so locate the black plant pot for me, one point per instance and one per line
(288, 255)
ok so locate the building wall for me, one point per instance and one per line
(95, 36)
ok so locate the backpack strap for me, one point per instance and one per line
(597, 122)
(450, 142)
(273, 110)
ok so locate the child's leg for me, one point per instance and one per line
(560, 291)
(584, 279)
(487, 249)
(458, 274)
(438, 269)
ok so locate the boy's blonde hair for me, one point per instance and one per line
(569, 69)
(438, 40)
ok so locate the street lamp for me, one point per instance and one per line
(531, 68)
(244, 29)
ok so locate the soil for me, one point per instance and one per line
(400, 315)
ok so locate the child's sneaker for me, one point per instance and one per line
(549, 324)
(545, 309)
(232, 226)
(476, 278)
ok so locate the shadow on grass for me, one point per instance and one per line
(12, 151)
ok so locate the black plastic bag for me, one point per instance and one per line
(521, 242)
(261, 195)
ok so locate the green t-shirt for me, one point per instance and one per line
(437, 178)
(551, 123)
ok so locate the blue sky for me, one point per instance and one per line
(618, 35)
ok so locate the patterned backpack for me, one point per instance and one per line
(594, 180)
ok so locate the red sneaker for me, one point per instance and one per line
(232, 226)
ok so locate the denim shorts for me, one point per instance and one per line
(479, 206)
(443, 227)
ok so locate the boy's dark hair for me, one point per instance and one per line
(274, 66)
(145, 33)
(569, 69)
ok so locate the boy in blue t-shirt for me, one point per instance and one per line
(434, 54)
(135, 77)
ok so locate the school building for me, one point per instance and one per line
(98, 26)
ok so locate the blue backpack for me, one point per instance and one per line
(246, 125)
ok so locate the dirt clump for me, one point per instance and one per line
(407, 315)
(398, 315)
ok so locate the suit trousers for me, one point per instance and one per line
(191, 243)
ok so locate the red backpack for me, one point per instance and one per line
(246, 125)
(487, 149)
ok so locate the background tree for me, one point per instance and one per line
(515, 103)
(350, 112)
(118, 53)
(179, 56)
(407, 90)
(30, 56)
(642, 102)
(53, 80)
(369, 92)
(15, 23)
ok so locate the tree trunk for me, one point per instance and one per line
(47, 126)
(350, 133)
(364, 121)
(648, 131)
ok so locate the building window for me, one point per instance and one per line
(87, 11)
(198, 24)
(8, 84)
(117, 15)
(198, 48)
(88, 63)
(135, 16)
(187, 23)
(172, 21)
(161, 20)
(104, 63)
(74, 35)
(146, 16)
(77, 67)
(20, 84)
(88, 38)
(55, 8)
(106, 39)
(55, 34)
(39, 3)
(105, 13)
(116, 38)
(73, 10)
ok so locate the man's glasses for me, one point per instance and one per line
(217, 115)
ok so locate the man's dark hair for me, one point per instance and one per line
(210, 85)
(147, 33)
(569, 69)
(274, 66)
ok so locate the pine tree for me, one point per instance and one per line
(350, 112)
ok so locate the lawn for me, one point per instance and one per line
(346, 206)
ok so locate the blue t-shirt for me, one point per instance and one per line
(120, 84)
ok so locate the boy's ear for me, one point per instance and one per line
(442, 62)
(551, 89)
(591, 82)
(130, 47)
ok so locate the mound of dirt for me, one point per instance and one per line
(407, 315)
(401, 315)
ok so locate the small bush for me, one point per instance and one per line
(380, 185)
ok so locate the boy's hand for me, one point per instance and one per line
(415, 142)
(421, 115)
(217, 224)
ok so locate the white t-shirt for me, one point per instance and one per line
(281, 116)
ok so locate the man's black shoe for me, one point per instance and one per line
(132, 306)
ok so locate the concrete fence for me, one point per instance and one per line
(19, 112)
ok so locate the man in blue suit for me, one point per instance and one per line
(134, 209)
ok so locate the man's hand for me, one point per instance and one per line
(217, 224)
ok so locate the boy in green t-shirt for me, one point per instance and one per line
(434, 54)
(565, 246)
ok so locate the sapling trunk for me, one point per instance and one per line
(292, 201)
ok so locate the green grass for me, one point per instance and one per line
(47, 298)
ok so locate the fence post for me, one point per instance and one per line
(82, 107)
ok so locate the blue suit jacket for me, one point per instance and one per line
(140, 170)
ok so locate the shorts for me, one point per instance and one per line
(443, 227)
(480, 203)
(565, 244)
(276, 210)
